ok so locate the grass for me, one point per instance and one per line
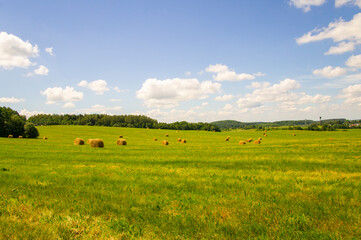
(288, 187)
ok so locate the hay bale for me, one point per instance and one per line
(265, 135)
(257, 142)
(165, 142)
(154, 139)
(120, 136)
(183, 141)
(331, 139)
(20, 136)
(249, 140)
(121, 141)
(97, 143)
(227, 139)
(179, 140)
(167, 135)
(10, 136)
(294, 134)
(45, 138)
(259, 138)
(89, 141)
(242, 142)
(78, 141)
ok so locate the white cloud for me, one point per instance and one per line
(14, 52)
(28, 113)
(340, 3)
(100, 109)
(260, 84)
(11, 100)
(339, 31)
(352, 94)
(259, 74)
(41, 70)
(330, 72)
(354, 61)
(58, 94)
(341, 48)
(224, 97)
(224, 74)
(50, 51)
(168, 93)
(115, 100)
(228, 107)
(204, 103)
(98, 86)
(305, 5)
(279, 93)
(68, 105)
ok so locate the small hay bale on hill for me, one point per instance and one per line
(227, 139)
(121, 141)
(259, 138)
(331, 139)
(10, 136)
(167, 135)
(242, 143)
(294, 134)
(183, 141)
(78, 141)
(154, 139)
(249, 140)
(179, 140)
(45, 138)
(97, 143)
(120, 136)
(20, 136)
(165, 142)
(257, 142)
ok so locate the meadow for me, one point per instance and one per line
(306, 186)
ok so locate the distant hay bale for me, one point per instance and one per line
(89, 141)
(331, 139)
(249, 140)
(120, 136)
(242, 143)
(179, 140)
(165, 142)
(294, 134)
(97, 143)
(177, 131)
(167, 135)
(265, 135)
(20, 136)
(227, 138)
(121, 141)
(257, 142)
(183, 141)
(45, 138)
(10, 136)
(78, 141)
(259, 138)
(154, 139)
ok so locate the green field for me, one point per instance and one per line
(306, 186)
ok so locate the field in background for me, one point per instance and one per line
(288, 187)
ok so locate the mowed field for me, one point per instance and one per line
(306, 186)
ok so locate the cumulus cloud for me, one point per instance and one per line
(224, 97)
(50, 51)
(168, 93)
(11, 100)
(330, 72)
(100, 109)
(204, 103)
(341, 48)
(224, 74)
(98, 86)
(340, 3)
(352, 94)
(306, 5)
(14, 52)
(354, 61)
(279, 93)
(28, 113)
(68, 105)
(41, 70)
(260, 84)
(347, 33)
(58, 94)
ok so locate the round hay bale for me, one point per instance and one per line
(45, 138)
(167, 135)
(10, 136)
(242, 143)
(78, 141)
(294, 134)
(120, 136)
(259, 138)
(20, 136)
(257, 142)
(121, 141)
(89, 141)
(179, 140)
(183, 141)
(227, 139)
(154, 139)
(249, 140)
(165, 142)
(265, 135)
(98, 143)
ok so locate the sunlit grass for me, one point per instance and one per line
(288, 187)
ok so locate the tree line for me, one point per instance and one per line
(133, 121)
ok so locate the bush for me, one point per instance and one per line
(31, 131)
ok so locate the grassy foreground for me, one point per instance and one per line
(289, 187)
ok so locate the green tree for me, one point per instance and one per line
(31, 131)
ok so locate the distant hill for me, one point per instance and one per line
(233, 124)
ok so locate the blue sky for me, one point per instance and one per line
(183, 60)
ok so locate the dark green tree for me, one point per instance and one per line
(31, 131)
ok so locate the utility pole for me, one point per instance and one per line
(320, 121)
